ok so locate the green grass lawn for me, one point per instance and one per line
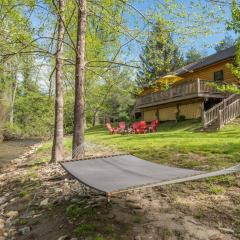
(177, 144)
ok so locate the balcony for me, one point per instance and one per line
(182, 91)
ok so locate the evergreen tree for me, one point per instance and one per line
(159, 56)
(227, 42)
(193, 55)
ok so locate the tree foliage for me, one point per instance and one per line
(193, 55)
(235, 26)
(159, 56)
(226, 42)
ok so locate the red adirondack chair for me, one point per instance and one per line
(111, 129)
(121, 127)
(140, 127)
(153, 126)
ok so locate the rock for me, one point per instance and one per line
(138, 211)
(24, 230)
(101, 199)
(12, 232)
(63, 237)
(131, 200)
(2, 232)
(2, 206)
(137, 238)
(2, 200)
(216, 237)
(58, 190)
(226, 230)
(44, 202)
(135, 206)
(2, 225)
(163, 195)
(73, 239)
(111, 216)
(12, 214)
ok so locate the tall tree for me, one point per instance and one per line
(79, 105)
(226, 42)
(57, 149)
(193, 55)
(159, 56)
(235, 26)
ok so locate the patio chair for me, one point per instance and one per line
(140, 127)
(111, 129)
(153, 126)
(122, 127)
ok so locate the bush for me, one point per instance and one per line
(34, 114)
(12, 131)
(180, 118)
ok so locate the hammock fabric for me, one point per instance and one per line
(114, 174)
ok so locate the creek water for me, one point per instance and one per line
(10, 150)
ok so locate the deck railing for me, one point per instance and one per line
(229, 113)
(213, 113)
(181, 90)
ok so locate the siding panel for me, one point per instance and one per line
(166, 114)
(208, 73)
(150, 115)
(191, 110)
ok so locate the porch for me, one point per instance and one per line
(182, 91)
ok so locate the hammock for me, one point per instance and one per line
(122, 172)
(119, 173)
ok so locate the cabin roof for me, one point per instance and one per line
(207, 61)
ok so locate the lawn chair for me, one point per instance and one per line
(140, 127)
(153, 126)
(122, 127)
(111, 129)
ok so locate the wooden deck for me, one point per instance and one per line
(187, 90)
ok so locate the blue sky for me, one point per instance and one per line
(146, 6)
(203, 43)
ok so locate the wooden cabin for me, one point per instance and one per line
(192, 96)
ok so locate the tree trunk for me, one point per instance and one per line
(94, 119)
(13, 97)
(79, 106)
(57, 149)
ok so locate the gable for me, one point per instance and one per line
(207, 73)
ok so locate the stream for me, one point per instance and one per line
(10, 150)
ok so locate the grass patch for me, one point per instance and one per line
(24, 194)
(215, 189)
(178, 144)
(85, 230)
(80, 210)
(225, 180)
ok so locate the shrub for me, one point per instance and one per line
(85, 230)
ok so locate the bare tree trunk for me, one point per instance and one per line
(79, 106)
(57, 149)
(13, 97)
(94, 117)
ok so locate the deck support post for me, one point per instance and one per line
(219, 120)
(198, 86)
(203, 116)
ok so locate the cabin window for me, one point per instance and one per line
(218, 76)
